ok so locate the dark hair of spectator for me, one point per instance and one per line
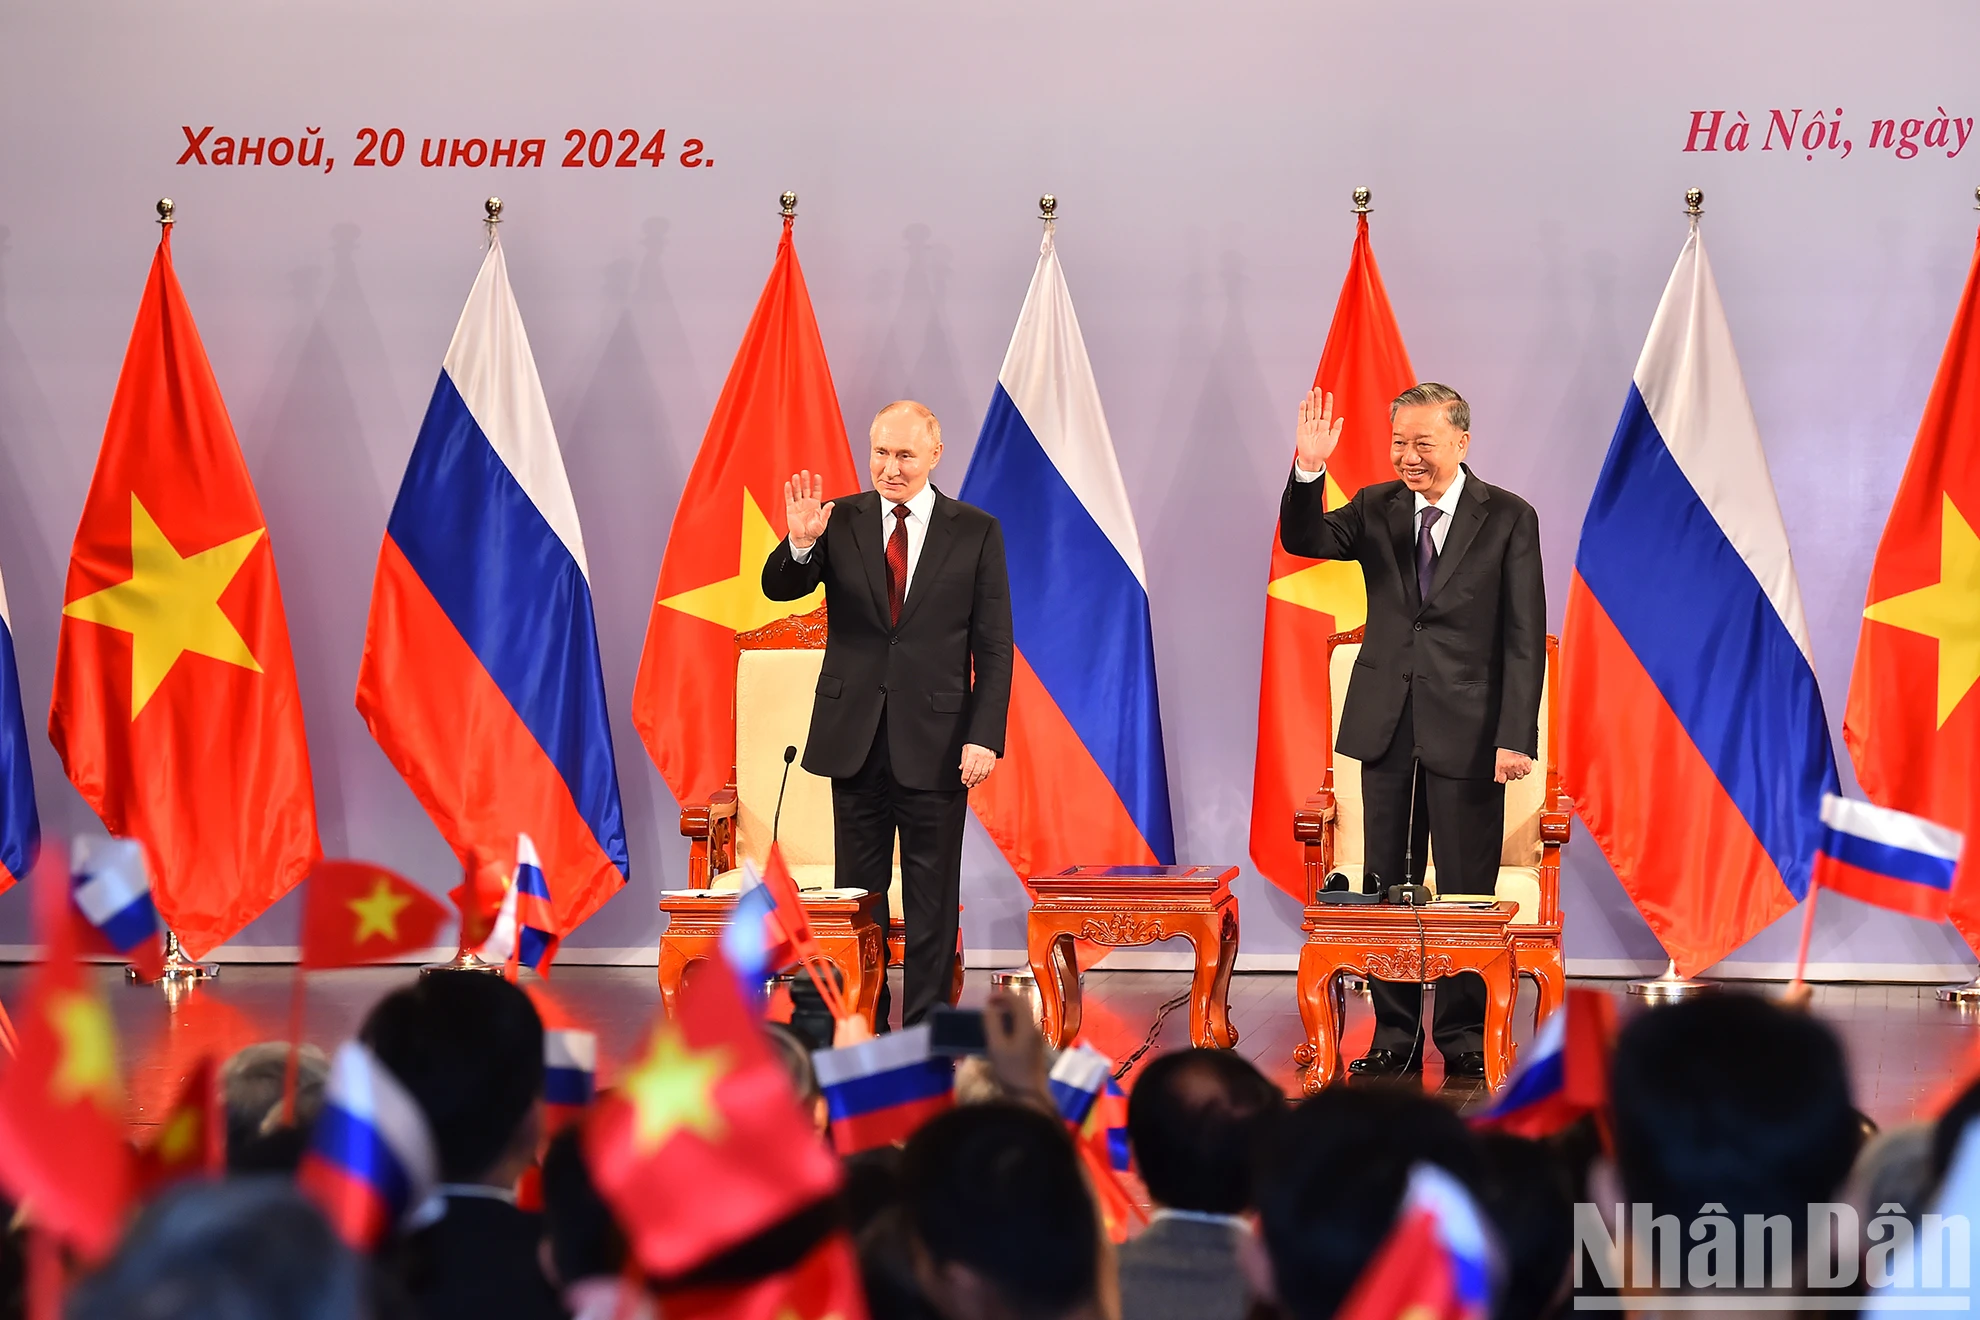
(585, 1240)
(1193, 1119)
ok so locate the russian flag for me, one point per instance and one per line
(570, 1072)
(1693, 735)
(481, 678)
(1563, 1071)
(1890, 858)
(110, 884)
(1437, 1262)
(20, 824)
(1078, 1079)
(1085, 779)
(879, 1091)
(370, 1160)
(536, 918)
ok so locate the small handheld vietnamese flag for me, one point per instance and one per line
(192, 1137)
(1436, 1263)
(1563, 1074)
(357, 912)
(704, 1106)
(62, 1144)
(111, 885)
(1888, 858)
(824, 1284)
(370, 1161)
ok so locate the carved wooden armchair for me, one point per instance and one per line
(1537, 816)
(777, 669)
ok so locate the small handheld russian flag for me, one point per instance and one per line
(525, 927)
(111, 886)
(879, 1091)
(1888, 858)
(1437, 1261)
(1078, 1078)
(570, 1074)
(370, 1161)
(1563, 1071)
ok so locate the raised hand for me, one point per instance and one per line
(803, 514)
(1319, 430)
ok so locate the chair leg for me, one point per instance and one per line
(1544, 965)
(1499, 983)
(674, 962)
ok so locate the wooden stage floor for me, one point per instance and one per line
(1903, 1046)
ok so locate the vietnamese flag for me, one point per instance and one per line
(356, 913)
(824, 1285)
(1364, 366)
(701, 1144)
(175, 708)
(778, 415)
(192, 1136)
(62, 1145)
(1913, 720)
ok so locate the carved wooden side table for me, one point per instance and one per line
(1386, 942)
(1123, 905)
(843, 920)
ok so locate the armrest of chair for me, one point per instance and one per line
(1555, 821)
(1311, 818)
(711, 826)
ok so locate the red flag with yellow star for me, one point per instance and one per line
(704, 1105)
(62, 1146)
(824, 1285)
(175, 708)
(192, 1136)
(1913, 720)
(1365, 366)
(356, 913)
(778, 415)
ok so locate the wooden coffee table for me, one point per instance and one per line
(1382, 941)
(843, 921)
(1127, 905)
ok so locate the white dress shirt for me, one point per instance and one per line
(1439, 532)
(920, 507)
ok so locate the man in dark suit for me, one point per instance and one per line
(1443, 709)
(910, 707)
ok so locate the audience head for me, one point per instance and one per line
(244, 1249)
(1728, 1098)
(1003, 1223)
(469, 1048)
(1330, 1175)
(794, 1053)
(1525, 1195)
(251, 1085)
(581, 1238)
(1193, 1119)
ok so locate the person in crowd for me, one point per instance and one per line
(1193, 1118)
(1525, 1195)
(794, 1052)
(246, 1248)
(1730, 1101)
(584, 1250)
(469, 1049)
(1003, 1225)
(1328, 1180)
(251, 1085)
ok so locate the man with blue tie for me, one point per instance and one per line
(1443, 709)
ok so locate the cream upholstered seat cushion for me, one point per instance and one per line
(773, 711)
(1519, 859)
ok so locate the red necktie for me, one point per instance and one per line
(897, 564)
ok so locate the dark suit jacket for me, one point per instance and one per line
(1473, 656)
(480, 1259)
(1183, 1269)
(957, 615)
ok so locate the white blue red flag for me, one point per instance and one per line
(525, 926)
(1890, 858)
(879, 1091)
(20, 823)
(370, 1161)
(1084, 778)
(110, 882)
(1563, 1072)
(1078, 1079)
(1437, 1262)
(481, 678)
(1693, 736)
(570, 1072)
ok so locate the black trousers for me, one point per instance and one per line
(1465, 818)
(868, 809)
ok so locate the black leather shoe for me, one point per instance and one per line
(1384, 1066)
(1465, 1071)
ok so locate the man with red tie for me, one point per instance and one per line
(911, 701)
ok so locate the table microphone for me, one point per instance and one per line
(1410, 893)
(790, 755)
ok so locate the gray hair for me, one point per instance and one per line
(1458, 413)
